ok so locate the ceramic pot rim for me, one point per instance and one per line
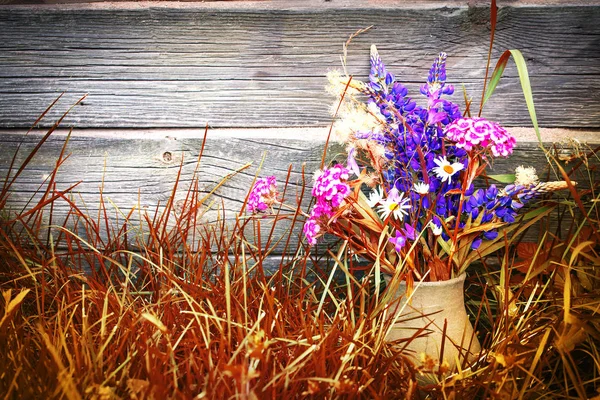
(417, 284)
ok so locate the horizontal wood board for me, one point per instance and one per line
(138, 169)
(264, 65)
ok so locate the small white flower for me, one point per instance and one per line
(421, 188)
(395, 204)
(445, 170)
(375, 197)
(437, 230)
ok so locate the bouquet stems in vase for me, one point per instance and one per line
(405, 199)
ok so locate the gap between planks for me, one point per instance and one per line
(315, 134)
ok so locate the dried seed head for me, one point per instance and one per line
(526, 176)
(546, 187)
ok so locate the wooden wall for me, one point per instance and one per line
(157, 73)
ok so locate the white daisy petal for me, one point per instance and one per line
(375, 197)
(421, 188)
(435, 229)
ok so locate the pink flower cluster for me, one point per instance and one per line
(472, 132)
(263, 194)
(329, 191)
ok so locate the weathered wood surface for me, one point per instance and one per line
(138, 168)
(262, 64)
(150, 68)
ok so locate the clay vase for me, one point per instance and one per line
(432, 305)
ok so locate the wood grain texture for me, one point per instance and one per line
(263, 65)
(298, 5)
(138, 169)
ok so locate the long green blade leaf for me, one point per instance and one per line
(525, 85)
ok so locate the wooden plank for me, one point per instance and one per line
(138, 168)
(298, 5)
(262, 65)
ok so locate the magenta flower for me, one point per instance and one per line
(263, 194)
(329, 191)
(330, 186)
(311, 230)
(469, 133)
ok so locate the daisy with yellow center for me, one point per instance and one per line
(395, 204)
(445, 170)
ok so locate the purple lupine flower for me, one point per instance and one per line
(475, 244)
(436, 80)
(263, 194)
(490, 235)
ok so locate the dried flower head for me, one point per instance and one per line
(338, 84)
(526, 176)
(546, 187)
(357, 121)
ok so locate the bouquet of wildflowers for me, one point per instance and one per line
(406, 197)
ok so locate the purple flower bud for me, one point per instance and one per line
(410, 232)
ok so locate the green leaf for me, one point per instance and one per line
(525, 84)
(496, 75)
(503, 178)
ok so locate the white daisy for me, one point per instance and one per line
(421, 188)
(445, 170)
(375, 197)
(395, 204)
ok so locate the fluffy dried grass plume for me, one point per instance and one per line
(376, 152)
(355, 118)
(338, 84)
(370, 179)
(526, 176)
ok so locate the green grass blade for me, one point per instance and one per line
(503, 178)
(525, 84)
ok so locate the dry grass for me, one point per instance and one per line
(187, 311)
